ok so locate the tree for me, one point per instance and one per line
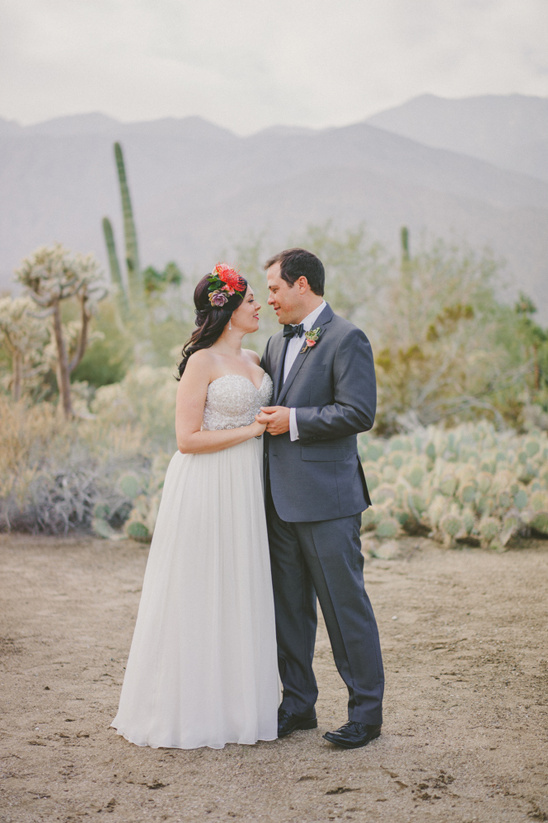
(355, 268)
(23, 335)
(535, 340)
(435, 329)
(52, 275)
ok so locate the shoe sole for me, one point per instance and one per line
(346, 745)
(305, 725)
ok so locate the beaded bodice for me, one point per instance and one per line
(233, 400)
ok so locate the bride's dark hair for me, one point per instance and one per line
(210, 320)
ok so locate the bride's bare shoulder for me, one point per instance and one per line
(252, 356)
(201, 362)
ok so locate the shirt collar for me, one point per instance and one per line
(311, 318)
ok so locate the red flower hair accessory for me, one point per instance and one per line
(223, 283)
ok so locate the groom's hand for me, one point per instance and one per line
(276, 419)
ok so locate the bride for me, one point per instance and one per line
(202, 669)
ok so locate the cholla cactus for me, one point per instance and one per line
(51, 275)
(23, 335)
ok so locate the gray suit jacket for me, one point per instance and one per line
(332, 387)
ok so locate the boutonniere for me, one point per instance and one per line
(312, 338)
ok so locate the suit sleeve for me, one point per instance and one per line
(354, 394)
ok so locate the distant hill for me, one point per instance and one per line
(198, 190)
(509, 131)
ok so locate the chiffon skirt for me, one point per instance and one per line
(202, 669)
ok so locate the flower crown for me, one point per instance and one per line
(223, 283)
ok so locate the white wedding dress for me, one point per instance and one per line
(202, 669)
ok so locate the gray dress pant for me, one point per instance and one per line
(324, 558)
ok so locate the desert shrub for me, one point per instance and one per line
(145, 398)
(58, 475)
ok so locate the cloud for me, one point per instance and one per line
(247, 65)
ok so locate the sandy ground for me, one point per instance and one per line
(465, 643)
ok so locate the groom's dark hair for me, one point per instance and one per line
(295, 263)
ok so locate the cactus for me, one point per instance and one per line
(385, 493)
(415, 476)
(467, 493)
(489, 529)
(448, 485)
(115, 273)
(101, 510)
(404, 240)
(387, 528)
(484, 481)
(527, 473)
(520, 499)
(369, 519)
(373, 479)
(137, 531)
(539, 522)
(403, 517)
(134, 274)
(436, 510)
(450, 525)
(510, 527)
(539, 500)
(130, 485)
(102, 528)
(430, 451)
(373, 452)
(504, 500)
(396, 460)
(389, 474)
(473, 475)
(468, 520)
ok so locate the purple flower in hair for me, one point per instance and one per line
(218, 298)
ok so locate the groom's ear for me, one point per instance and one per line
(303, 284)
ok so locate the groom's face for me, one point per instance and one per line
(286, 300)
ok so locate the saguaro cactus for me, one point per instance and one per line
(115, 273)
(404, 238)
(134, 274)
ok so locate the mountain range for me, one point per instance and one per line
(472, 171)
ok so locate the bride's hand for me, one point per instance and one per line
(258, 428)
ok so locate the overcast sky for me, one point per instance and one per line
(248, 64)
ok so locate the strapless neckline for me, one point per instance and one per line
(242, 377)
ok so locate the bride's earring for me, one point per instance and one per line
(230, 325)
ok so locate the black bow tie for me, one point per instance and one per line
(294, 331)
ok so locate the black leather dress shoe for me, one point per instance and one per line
(288, 722)
(353, 735)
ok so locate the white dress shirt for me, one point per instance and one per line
(293, 348)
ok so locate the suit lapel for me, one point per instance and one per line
(279, 376)
(322, 321)
(299, 360)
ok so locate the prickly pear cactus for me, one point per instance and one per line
(485, 486)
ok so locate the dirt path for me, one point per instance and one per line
(465, 739)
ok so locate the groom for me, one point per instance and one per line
(324, 394)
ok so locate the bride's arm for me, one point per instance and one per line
(191, 398)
